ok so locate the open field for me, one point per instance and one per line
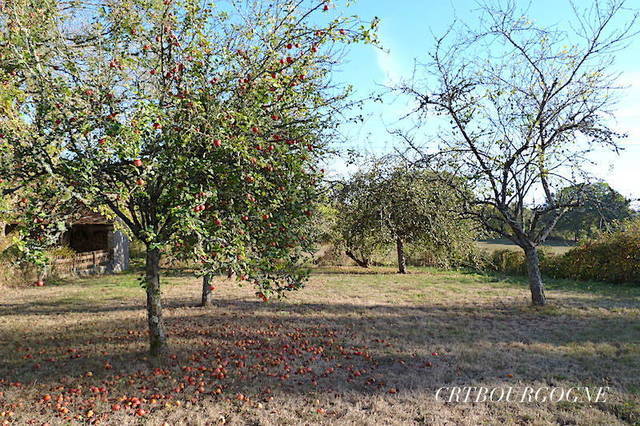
(351, 348)
(556, 247)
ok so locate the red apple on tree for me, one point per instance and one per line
(199, 103)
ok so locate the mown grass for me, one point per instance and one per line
(377, 346)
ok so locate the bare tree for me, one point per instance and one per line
(525, 107)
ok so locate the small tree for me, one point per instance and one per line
(392, 204)
(197, 125)
(525, 106)
(357, 224)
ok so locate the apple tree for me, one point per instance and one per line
(392, 203)
(520, 109)
(198, 124)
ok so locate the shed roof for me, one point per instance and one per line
(87, 217)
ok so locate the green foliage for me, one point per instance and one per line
(457, 250)
(15, 269)
(62, 252)
(510, 262)
(513, 262)
(387, 202)
(324, 222)
(611, 257)
(602, 208)
(199, 126)
(42, 216)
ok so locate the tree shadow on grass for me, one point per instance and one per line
(389, 334)
(285, 348)
(282, 349)
(355, 270)
(74, 305)
(620, 290)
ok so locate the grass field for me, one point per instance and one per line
(556, 247)
(351, 348)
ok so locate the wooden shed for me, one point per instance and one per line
(99, 247)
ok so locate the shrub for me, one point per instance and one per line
(6, 274)
(513, 262)
(63, 252)
(462, 253)
(331, 255)
(137, 249)
(509, 262)
(612, 257)
(14, 273)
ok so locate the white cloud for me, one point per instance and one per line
(387, 63)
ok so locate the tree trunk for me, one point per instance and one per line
(364, 263)
(402, 260)
(535, 279)
(157, 334)
(206, 290)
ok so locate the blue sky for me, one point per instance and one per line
(405, 31)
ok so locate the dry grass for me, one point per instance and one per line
(10, 275)
(361, 336)
(555, 247)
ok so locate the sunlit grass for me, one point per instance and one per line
(482, 327)
(556, 247)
